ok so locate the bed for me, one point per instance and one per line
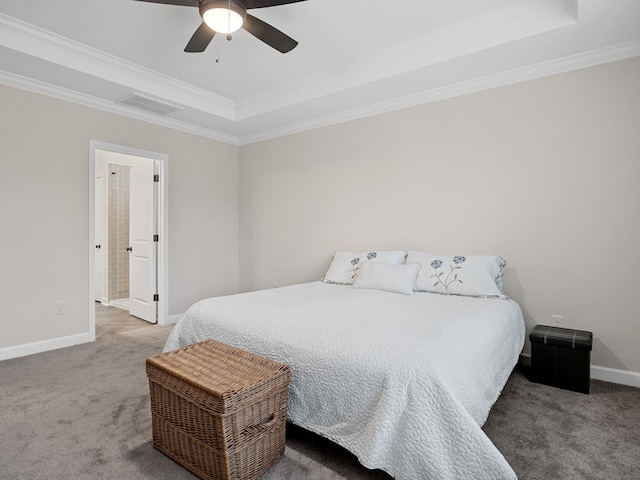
(405, 382)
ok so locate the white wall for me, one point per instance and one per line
(545, 173)
(44, 198)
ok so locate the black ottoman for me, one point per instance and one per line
(561, 357)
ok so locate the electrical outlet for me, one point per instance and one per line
(59, 308)
(557, 320)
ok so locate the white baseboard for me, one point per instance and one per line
(606, 374)
(46, 345)
(613, 375)
(122, 304)
(525, 359)
(43, 346)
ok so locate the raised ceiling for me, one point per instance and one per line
(355, 58)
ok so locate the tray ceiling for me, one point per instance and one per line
(354, 58)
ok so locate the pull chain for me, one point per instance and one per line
(228, 35)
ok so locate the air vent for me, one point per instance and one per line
(149, 104)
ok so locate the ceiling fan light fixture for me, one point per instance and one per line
(223, 16)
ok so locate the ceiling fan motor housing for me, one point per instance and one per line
(228, 16)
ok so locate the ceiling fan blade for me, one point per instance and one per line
(267, 3)
(200, 39)
(184, 3)
(268, 34)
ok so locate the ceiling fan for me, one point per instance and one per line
(228, 16)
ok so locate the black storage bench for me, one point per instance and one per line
(561, 357)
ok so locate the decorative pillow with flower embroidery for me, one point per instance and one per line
(471, 275)
(345, 265)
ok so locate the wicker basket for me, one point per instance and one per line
(218, 411)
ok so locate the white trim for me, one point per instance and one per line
(525, 359)
(40, 43)
(91, 281)
(122, 304)
(173, 319)
(62, 93)
(524, 19)
(563, 65)
(614, 375)
(533, 72)
(605, 374)
(162, 268)
(24, 37)
(43, 346)
(163, 226)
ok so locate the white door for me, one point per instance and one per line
(142, 253)
(99, 235)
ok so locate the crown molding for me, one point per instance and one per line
(545, 69)
(61, 93)
(524, 19)
(574, 62)
(23, 37)
(26, 38)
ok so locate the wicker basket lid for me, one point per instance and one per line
(223, 371)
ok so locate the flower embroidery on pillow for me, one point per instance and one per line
(445, 278)
(355, 264)
(471, 275)
(345, 266)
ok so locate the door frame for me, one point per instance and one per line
(162, 225)
(102, 249)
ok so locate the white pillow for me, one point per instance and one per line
(472, 275)
(345, 265)
(386, 276)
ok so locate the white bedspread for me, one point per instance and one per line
(403, 382)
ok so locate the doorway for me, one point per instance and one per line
(128, 252)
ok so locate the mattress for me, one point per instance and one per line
(405, 382)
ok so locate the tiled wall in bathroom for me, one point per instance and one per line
(118, 207)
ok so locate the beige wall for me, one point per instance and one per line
(545, 173)
(44, 175)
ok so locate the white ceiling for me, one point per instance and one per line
(355, 58)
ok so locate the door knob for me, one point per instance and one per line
(129, 249)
